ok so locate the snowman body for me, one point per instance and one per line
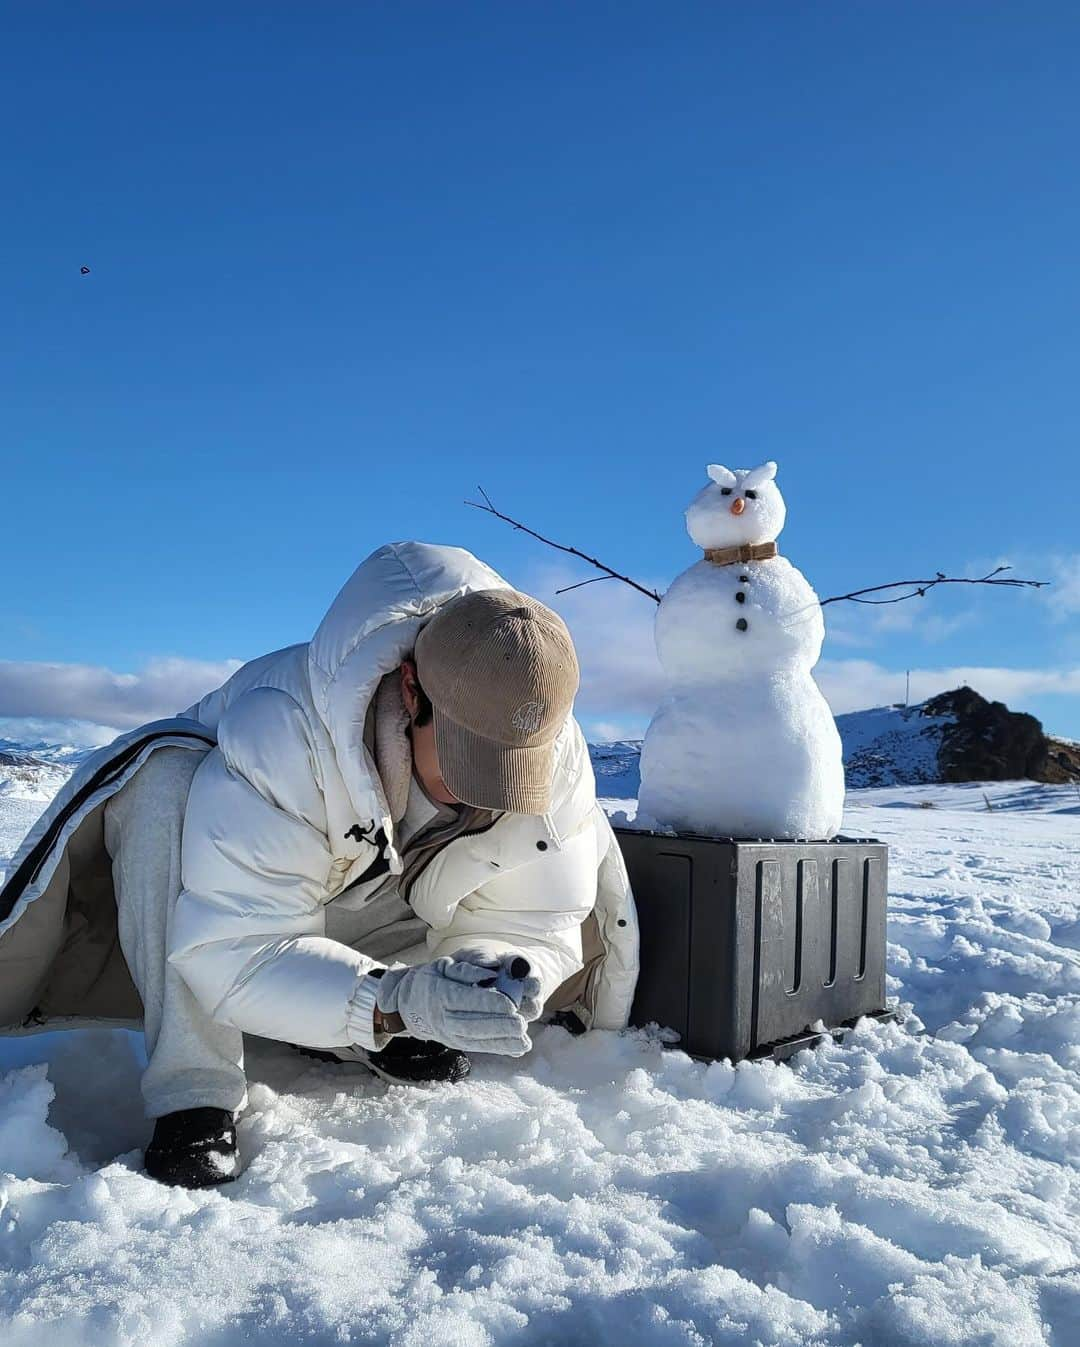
(743, 744)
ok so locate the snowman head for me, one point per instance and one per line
(744, 506)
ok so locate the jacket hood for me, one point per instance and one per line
(370, 628)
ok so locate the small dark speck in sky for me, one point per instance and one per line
(84, 271)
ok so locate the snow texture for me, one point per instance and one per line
(28, 781)
(743, 743)
(914, 1187)
(616, 768)
(891, 745)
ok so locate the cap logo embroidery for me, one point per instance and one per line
(527, 716)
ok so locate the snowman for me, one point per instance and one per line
(743, 744)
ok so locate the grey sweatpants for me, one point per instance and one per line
(193, 1061)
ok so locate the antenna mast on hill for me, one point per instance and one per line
(907, 692)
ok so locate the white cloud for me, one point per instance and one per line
(914, 616)
(92, 693)
(1059, 572)
(1062, 595)
(612, 627)
(853, 624)
(612, 731)
(55, 731)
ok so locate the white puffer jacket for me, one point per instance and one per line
(283, 814)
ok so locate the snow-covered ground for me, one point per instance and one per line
(28, 782)
(917, 1185)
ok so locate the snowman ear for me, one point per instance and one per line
(759, 476)
(722, 476)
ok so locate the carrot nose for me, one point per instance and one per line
(738, 505)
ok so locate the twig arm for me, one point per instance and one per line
(609, 574)
(919, 588)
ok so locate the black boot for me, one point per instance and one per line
(193, 1148)
(404, 1061)
(409, 1061)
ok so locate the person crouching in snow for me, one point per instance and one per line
(345, 848)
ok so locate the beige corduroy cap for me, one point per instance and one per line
(501, 673)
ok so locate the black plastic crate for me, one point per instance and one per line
(746, 944)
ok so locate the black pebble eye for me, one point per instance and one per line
(751, 495)
(725, 491)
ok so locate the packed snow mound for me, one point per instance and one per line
(1025, 797)
(918, 1186)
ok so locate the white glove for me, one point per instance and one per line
(513, 976)
(445, 1001)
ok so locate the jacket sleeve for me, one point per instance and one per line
(247, 933)
(535, 910)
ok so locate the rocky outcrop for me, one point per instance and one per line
(985, 741)
(956, 736)
(1062, 761)
(18, 760)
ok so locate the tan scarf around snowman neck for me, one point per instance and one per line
(726, 556)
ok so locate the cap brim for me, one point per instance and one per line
(489, 775)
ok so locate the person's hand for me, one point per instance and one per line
(446, 1001)
(512, 975)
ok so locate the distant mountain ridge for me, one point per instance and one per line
(43, 751)
(26, 777)
(617, 769)
(956, 736)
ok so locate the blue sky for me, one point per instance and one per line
(347, 261)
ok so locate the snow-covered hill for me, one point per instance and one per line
(956, 736)
(24, 777)
(918, 1186)
(60, 753)
(617, 768)
(891, 745)
(884, 746)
